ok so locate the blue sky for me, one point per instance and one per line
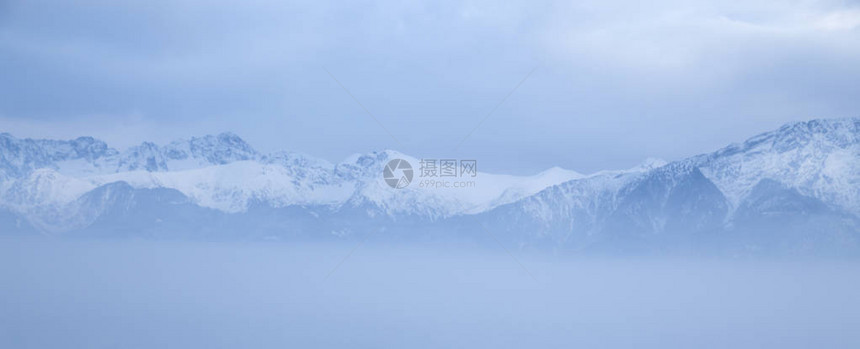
(615, 82)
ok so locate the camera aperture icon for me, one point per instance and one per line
(397, 173)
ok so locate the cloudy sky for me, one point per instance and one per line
(601, 84)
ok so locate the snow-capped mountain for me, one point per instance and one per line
(45, 181)
(794, 189)
(797, 187)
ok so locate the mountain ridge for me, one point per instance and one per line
(813, 163)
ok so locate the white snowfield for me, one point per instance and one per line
(43, 180)
(820, 159)
(234, 186)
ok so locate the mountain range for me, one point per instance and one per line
(792, 190)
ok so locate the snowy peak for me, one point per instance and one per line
(838, 132)
(89, 156)
(650, 164)
(801, 177)
(21, 156)
(819, 158)
(146, 157)
(841, 133)
(221, 149)
(370, 165)
(197, 152)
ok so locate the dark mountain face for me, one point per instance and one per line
(670, 206)
(776, 218)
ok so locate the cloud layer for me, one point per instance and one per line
(616, 81)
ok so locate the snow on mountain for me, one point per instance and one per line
(739, 193)
(428, 197)
(805, 173)
(820, 158)
(87, 156)
(570, 213)
(18, 157)
(223, 172)
(232, 187)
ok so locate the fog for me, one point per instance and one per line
(135, 293)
